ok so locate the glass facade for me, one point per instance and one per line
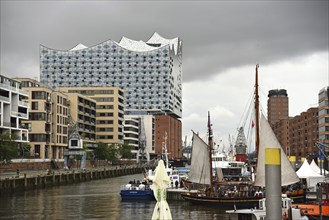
(150, 78)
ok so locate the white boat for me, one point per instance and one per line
(173, 174)
(288, 212)
(229, 166)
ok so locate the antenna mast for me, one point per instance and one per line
(210, 144)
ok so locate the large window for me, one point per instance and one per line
(37, 137)
(34, 105)
(38, 116)
(39, 95)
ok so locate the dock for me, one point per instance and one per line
(25, 182)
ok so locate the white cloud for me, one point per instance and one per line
(227, 95)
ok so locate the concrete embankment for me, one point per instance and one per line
(55, 178)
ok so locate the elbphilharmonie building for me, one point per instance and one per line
(150, 73)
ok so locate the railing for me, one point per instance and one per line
(25, 104)
(3, 98)
(19, 114)
(13, 89)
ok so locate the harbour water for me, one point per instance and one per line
(98, 199)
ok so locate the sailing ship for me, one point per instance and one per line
(237, 194)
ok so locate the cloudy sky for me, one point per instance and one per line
(222, 43)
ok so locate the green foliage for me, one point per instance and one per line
(106, 152)
(125, 151)
(8, 147)
(113, 153)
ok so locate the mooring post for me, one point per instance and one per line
(273, 183)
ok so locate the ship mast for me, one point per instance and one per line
(257, 112)
(210, 144)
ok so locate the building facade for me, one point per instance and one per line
(172, 127)
(297, 135)
(131, 133)
(149, 72)
(139, 132)
(47, 121)
(109, 111)
(82, 113)
(14, 109)
(304, 133)
(277, 105)
(324, 117)
(282, 133)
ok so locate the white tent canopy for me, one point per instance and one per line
(312, 178)
(316, 168)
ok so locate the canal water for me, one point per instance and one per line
(99, 199)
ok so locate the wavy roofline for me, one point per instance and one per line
(118, 43)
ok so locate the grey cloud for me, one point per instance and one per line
(216, 35)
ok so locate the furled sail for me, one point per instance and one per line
(269, 140)
(199, 170)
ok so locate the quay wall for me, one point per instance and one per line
(55, 178)
(47, 164)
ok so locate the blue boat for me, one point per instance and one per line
(136, 191)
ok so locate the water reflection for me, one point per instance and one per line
(93, 200)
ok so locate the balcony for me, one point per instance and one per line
(13, 89)
(3, 98)
(25, 104)
(19, 114)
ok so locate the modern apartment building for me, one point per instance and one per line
(277, 105)
(324, 121)
(13, 109)
(131, 133)
(82, 113)
(149, 72)
(324, 116)
(304, 134)
(140, 130)
(109, 111)
(47, 121)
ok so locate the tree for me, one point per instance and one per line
(106, 152)
(125, 151)
(8, 147)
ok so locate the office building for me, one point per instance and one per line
(277, 105)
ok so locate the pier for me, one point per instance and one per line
(55, 178)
